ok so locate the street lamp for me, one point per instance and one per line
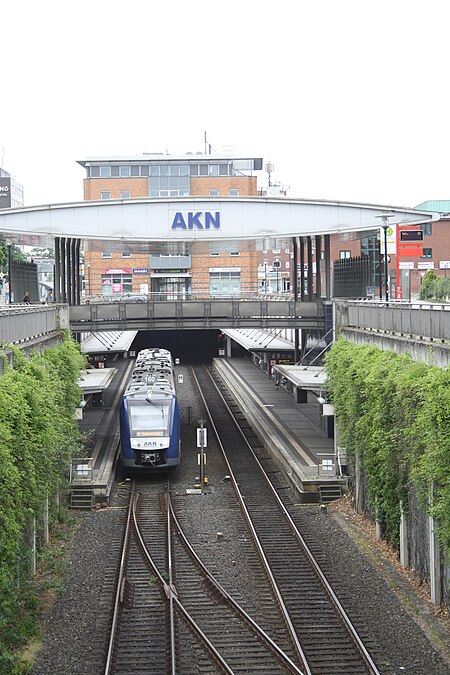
(276, 264)
(385, 224)
(89, 277)
(9, 244)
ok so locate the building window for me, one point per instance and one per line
(234, 192)
(105, 254)
(213, 169)
(427, 229)
(286, 250)
(95, 172)
(276, 251)
(105, 171)
(214, 193)
(203, 169)
(114, 171)
(235, 254)
(214, 254)
(343, 255)
(127, 254)
(125, 194)
(105, 195)
(286, 264)
(427, 253)
(135, 170)
(116, 283)
(125, 170)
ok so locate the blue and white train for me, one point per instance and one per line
(150, 415)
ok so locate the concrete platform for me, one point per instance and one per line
(290, 432)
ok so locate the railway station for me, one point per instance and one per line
(214, 278)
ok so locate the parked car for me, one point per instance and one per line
(133, 297)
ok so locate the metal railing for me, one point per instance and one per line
(415, 318)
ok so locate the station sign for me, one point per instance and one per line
(5, 192)
(444, 264)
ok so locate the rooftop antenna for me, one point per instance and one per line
(269, 168)
(207, 146)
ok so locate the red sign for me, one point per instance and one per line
(398, 293)
(410, 251)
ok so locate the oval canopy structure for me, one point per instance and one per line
(194, 219)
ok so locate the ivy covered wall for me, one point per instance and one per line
(38, 438)
(393, 414)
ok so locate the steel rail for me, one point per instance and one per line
(327, 586)
(276, 590)
(171, 594)
(120, 584)
(229, 598)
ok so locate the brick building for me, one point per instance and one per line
(172, 269)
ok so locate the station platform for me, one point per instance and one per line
(92, 477)
(290, 432)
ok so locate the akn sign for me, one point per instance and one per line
(198, 220)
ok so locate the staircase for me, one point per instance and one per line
(329, 492)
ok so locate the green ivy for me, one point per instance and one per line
(435, 287)
(394, 415)
(38, 437)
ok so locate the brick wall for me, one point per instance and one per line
(93, 187)
(246, 185)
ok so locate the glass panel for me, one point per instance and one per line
(174, 169)
(173, 181)
(234, 192)
(184, 170)
(194, 169)
(164, 193)
(174, 193)
(184, 183)
(105, 195)
(223, 169)
(213, 169)
(105, 171)
(154, 181)
(164, 170)
(154, 193)
(154, 170)
(95, 171)
(124, 170)
(164, 181)
(214, 193)
(134, 170)
(203, 169)
(114, 171)
(125, 194)
(150, 416)
(144, 170)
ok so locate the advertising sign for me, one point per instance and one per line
(5, 192)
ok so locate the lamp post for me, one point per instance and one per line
(276, 264)
(89, 278)
(9, 244)
(385, 224)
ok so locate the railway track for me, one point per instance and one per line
(326, 639)
(171, 613)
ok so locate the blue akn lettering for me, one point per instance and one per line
(194, 220)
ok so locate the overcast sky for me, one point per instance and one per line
(347, 98)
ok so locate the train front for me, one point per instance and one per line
(150, 430)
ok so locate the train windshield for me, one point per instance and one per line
(150, 419)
